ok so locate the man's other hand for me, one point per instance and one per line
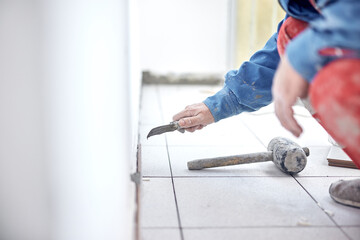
(194, 117)
(288, 85)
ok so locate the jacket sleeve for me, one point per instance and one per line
(334, 35)
(248, 88)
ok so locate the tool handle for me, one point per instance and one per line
(230, 160)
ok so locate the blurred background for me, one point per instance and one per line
(70, 84)
(204, 36)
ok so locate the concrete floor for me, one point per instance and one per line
(254, 201)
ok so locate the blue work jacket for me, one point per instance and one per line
(333, 25)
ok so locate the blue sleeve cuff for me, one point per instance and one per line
(248, 88)
(223, 104)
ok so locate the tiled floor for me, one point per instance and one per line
(253, 201)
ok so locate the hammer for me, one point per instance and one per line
(288, 156)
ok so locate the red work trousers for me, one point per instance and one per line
(334, 92)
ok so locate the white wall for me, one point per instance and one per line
(24, 195)
(184, 35)
(134, 74)
(66, 138)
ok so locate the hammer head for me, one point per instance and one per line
(288, 156)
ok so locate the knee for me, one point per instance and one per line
(339, 81)
(335, 95)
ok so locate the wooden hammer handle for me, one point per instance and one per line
(230, 160)
(233, 160)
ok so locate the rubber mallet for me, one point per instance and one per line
(287, 155)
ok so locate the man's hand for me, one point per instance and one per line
(194, 117)
(288, 85)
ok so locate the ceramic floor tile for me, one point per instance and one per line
(173, 99)
(154, 161)
(246, 202)
(298, 108)
(228, 132)
(160, 234)
(180, 155)
(293, 233)
(352, 232)
(150, 112)
(157, 203)
(318, 187)
(253, 201)
(267, 126)
(317, 165)
(157, 140)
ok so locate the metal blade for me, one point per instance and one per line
(165, 128)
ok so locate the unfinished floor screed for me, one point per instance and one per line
(254, 201)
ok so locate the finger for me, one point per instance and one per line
(285, 115)
(193, 129)
(187, 112)
(188, 122)
(180, 115)
(294, 126)
(200, 127)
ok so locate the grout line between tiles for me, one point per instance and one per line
(244, 176)
(245, 227)
(256, 227)
(329, 176)
(145, 177)
(153, 145)
(173, 185)
(342, 229)
(160, 228)
(171, 172)
(227, 176)
(322, 209)
(253, 133)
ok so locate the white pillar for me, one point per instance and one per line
(65, 140)
(24, 196)
(87, 82)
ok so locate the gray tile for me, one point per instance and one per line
(157, 140)
(180, 155)
(352, 232)
(157, 203)
(160, 234)
(246, 202)
(270, 207)
(154, 161)
(279, 233)
(267, 126)
(317, 165)
(150, 112)
(318, 187)
(174, 98)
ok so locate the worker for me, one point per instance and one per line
(314, 55)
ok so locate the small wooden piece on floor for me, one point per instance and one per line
(338, 158)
